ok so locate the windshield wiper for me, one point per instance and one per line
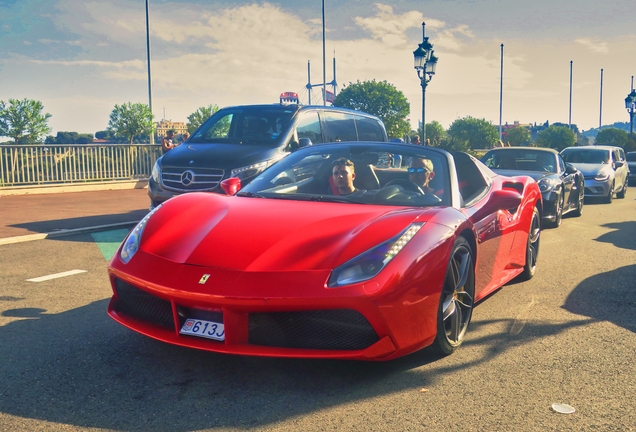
(249, 194)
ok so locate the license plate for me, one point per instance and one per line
(206, 329)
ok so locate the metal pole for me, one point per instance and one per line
(423, 83)
(308, 83)
(501, 94)
(152, 134)
(600, 117)
(335, 84)
(570, 116)
(324, 67)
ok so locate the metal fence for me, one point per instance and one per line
(43, 164)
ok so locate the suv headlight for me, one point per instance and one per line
(602, 176)
(156, 171)
(370, 263)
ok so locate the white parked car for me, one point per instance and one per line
(604, 168)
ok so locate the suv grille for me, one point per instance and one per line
(191, 179)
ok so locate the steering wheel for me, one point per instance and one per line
(407, 185)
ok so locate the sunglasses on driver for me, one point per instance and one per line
(419, 170)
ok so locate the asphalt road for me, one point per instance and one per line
(566, 336)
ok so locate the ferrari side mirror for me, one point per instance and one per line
(231, 185)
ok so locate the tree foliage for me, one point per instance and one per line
(131, 119)
(518, 135)
(613, 137)
(380, 99)
(453, 143)
(23, 121)
(556, 137)
(479, 133)
(435, 133)
(198, 117)
(69, 138)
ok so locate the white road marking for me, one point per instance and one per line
(56, 275)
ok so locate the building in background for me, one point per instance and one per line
(165, 125)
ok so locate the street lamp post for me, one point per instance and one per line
(630, 104)
(425, 63)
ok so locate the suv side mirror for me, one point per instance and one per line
(304, 142)
(618, 164)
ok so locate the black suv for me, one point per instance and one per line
(242, 141)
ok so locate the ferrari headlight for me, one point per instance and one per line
(249, 171)
(371, 262)
(546, 184)
(156, 171)
(602, 176)
(131, 244)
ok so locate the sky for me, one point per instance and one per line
(81, 57)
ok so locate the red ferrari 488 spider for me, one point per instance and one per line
(365, 251)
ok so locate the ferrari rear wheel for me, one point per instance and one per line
(456, 303)
(532, 248)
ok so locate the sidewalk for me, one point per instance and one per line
(33, 217)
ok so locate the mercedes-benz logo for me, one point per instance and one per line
(187, 178)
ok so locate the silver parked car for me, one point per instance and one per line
(631, 162)
(604, 168)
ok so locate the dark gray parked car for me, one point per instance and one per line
(242, 141)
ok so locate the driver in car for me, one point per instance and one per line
(421, 173)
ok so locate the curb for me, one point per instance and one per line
(62, 233)
(73, 187)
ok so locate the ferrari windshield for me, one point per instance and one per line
(245, 125)
(385, 174)
(583, 155)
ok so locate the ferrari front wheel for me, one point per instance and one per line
(456, 302)
(532, 246)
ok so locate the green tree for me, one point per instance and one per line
(69, 138)
(197, 118)
(23, 121)
(380, 99)
(556, 137)
(613, 137)
(131, 119)
(518, 135)
(479, 133)
(453, 143)
(435, 133)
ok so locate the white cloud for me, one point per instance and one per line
(594, 46)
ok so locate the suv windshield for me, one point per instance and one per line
(245, 125)
(631, 157)
(591, 156)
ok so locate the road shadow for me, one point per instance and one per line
(52, 226)
(623, 236)
(609, 296)
(80, 368)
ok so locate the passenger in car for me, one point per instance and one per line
(421, 173)
(342, 176)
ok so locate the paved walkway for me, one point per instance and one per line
(29, 217)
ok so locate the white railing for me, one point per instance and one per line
(46, 164)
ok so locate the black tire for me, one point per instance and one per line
(558, 213)
(610, 195)
(621, 194)
(579, 205)
(456, 301)
(532, 247)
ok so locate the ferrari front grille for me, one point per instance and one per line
(337, 329)
(142, 306)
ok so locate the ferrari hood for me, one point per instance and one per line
(258, 234)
